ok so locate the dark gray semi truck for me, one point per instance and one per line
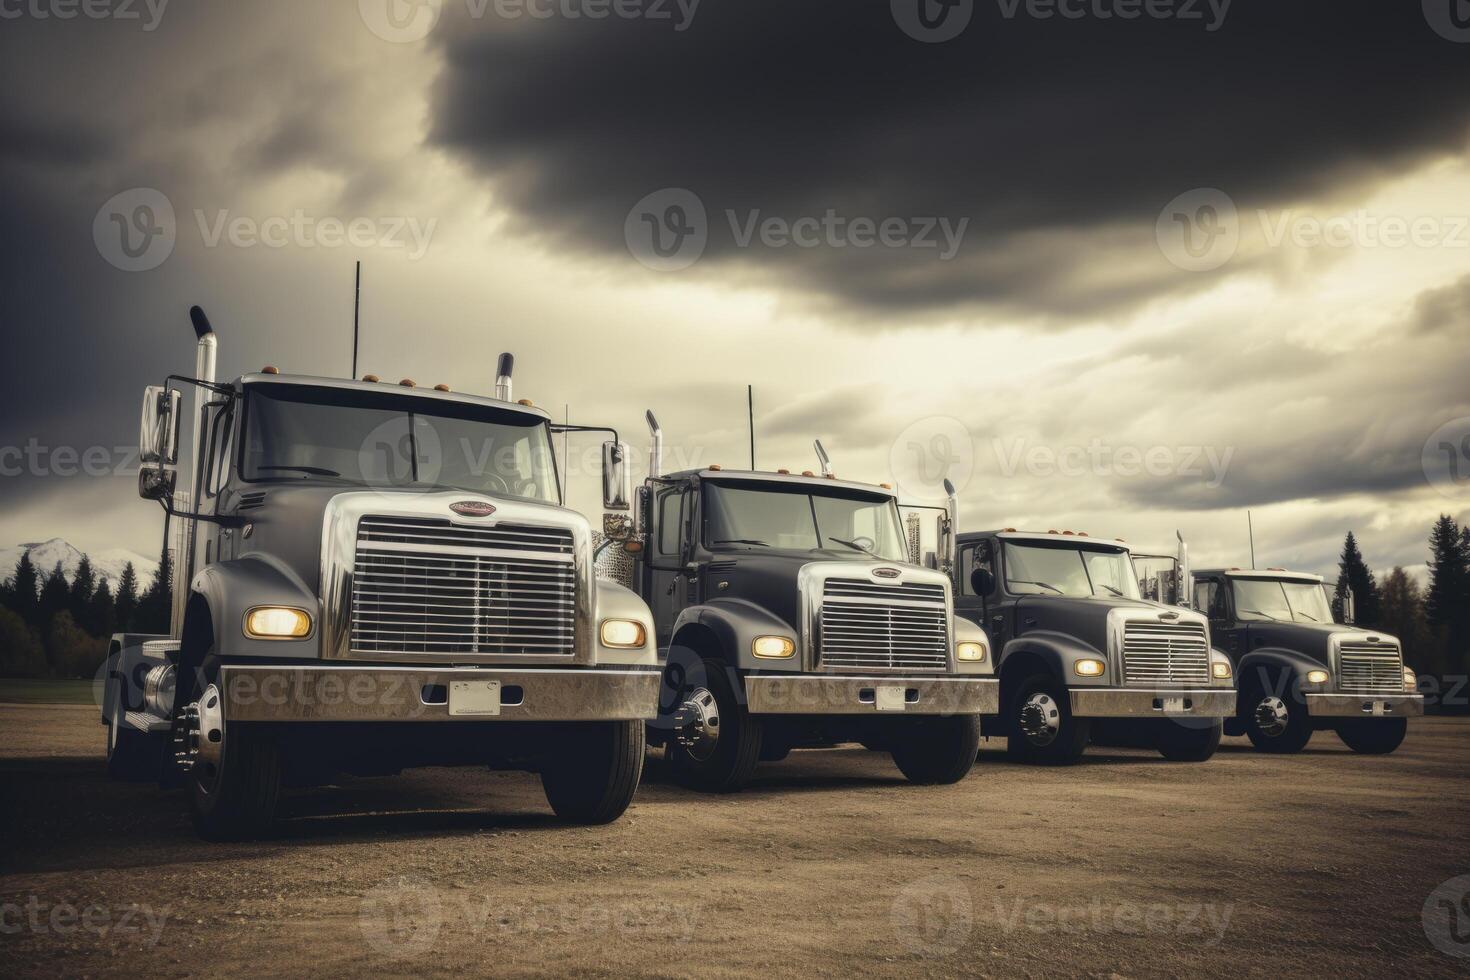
(370, 577)
(1301, 672)
(789, 614)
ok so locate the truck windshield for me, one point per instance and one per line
(1068, 570)
(1264, 600)
(297, 432)
(800, 520)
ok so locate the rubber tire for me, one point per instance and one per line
(774, 753)
(243, 804)
(132, 756)
(738, 750)
(1179, 743)
(937, 751)
(594, 778)
(1071, 740)
(1373, 736)
(1298, 726)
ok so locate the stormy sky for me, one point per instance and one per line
(1118, 265)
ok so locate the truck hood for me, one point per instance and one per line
(1312, 639)
(768, 577)
(1085, 617)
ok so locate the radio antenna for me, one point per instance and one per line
(1251, 529)
(356, 309)
(750, 416)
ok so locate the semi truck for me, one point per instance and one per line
(370, 577)
(1299, 670)
(1082, 656)
(790, 615)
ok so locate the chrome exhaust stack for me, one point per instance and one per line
(656, 450)
(1184, 586)
(503, 371)
(949, 529)
(206, 350)
(824, 459)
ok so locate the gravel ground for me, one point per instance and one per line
(1319, 864)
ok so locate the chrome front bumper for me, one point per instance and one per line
(1365, 705)
(348, 693)
(824, 694)
(1114, 702)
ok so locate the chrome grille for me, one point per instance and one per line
(1165, 653)
(1370, 668)
(883, 626)
(433, 586)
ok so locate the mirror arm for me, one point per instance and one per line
(231, 521)
(558, 428)
(214, 386)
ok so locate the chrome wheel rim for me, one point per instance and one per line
(1040, 719)
(697, 724)
(1272, 717)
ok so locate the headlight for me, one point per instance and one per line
(1089, 668)
(1411, 680)
(1220, 670)
(624, 633)
(773, 647)
(970, 653)
(277, 623)
(1318, 677)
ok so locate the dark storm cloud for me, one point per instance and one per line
(1447, 308)
(1038, 131)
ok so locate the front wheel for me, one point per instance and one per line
(1277, 722)
(1375, 736)
(714, 743)
(1041, 729)
(1181, 743)
(937, 751)
(235, 776)
(592, 779)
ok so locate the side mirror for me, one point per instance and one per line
(982, 580)
(158, 428)
(1349, 608)
(156, 483)
(617, 486)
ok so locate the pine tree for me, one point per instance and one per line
(155, 609)
(79, 602)
(125, 610)
(23, 590)
(1353, 573)
(101, 612)
(1449, 576)
(1401, 613)
(55, 596)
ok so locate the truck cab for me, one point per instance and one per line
(370, 577)
(1082, 657)
(1300, 671)
(789, 615)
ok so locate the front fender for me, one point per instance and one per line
(1056, 652)
(735, 624)
(1293, 663)
(231, 588)
(616, 602)
(964, 630)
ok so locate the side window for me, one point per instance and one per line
(221, 445)
(1209, 600)
(973, 556)
(670, 521)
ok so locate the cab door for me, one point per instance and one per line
(991, 611)
(666, 575)
(1212, 598)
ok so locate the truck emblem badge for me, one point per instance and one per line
(886, 573)
(472, 508)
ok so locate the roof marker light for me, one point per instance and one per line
(269, 370)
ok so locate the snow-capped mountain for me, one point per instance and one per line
(106, 564)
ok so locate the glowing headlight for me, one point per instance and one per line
(971, 653)
(277, 623)
(1090, 668)
(773, 647)
(1220, 670)
(622, 633)
(1318, 677)
(1411, 680)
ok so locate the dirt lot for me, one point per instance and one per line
(1318, 864)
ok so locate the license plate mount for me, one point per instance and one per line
(474, 698)
(890, 697)
(1174, 706)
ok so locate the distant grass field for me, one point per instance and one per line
(29, 691)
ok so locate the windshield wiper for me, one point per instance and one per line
(855, 546)
(1112, 590)
(763, 544)
(312, 470)
(1310, 617)
(1042, 584)
(1257, 612)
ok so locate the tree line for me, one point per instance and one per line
(1433, 624)
(50, 627)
